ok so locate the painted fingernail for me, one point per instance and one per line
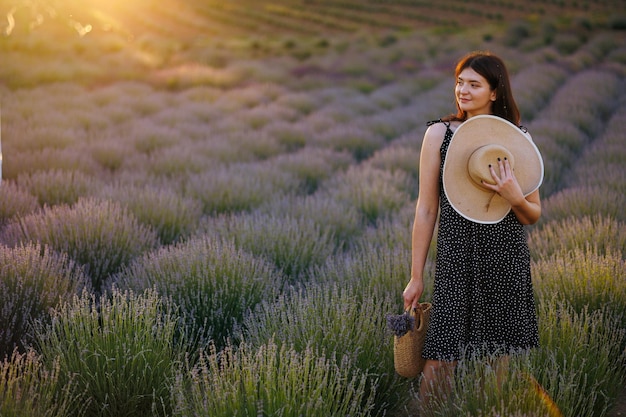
(498, 159)
(505, 158)
(489, 165)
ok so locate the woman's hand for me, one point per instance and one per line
(506, 184)
(527, 209)
(412, 293)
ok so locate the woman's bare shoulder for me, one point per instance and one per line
(436, 132)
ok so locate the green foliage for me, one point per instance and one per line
(370, 268)
(119, 352)
(489, 387)
(293, 244)
(240, 187)
(581, 362)
(589, 201)
(271, 380)
(374, 192)
(58, 187)
(334, 320)
(213, 284)
(335, 218)
(171, 216)
(99, 235)
(30, 389)
(603, 235)
(32, 281)
(312, 166)
(402, 158)
(361, 143)
(583, 279)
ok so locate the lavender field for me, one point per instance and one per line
(205, 206)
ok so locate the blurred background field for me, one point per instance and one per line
(206, 205)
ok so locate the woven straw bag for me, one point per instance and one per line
(407, 349)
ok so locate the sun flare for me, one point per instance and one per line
(82, 17)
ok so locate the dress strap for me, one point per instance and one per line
(432, 122)
(446, 123)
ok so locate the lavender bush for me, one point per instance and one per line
(581, 201)
(213, 284)
(369, 268)
(30, 389)
(588, 107)
(312, 166)
(534, 87)
(289, 135)
(180, 161)
(559, 142)
(58, 187)
(272, 379)
(15, 201)
(293, 244)
(119, 352)
(361, 143)
(399, 158)
(601, 163)
(476, 390)
(33, 279)
(390, 124)
(374, 192)
(239, 187)
(342, 222)
(603, 174)
(46, 159)
(583, 279)
(171, 216)
(602, 234)
(99, 235)
(581, 361)
(335, 320)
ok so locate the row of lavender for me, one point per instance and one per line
(268, 225)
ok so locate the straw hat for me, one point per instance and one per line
(476, 143)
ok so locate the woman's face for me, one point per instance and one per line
(473, 93)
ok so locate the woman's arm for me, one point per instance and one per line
(426, 211)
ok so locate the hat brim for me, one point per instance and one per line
(469, 199)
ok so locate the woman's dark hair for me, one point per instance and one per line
(494, 71)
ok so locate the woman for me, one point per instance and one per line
(483, 299)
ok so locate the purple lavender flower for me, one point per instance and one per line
(400, 324)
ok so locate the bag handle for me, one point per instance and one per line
(418, 314)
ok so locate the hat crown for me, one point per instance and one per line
(484, 157)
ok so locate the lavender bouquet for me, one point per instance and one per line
(400, 324)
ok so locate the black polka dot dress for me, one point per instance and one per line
(483, 300)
